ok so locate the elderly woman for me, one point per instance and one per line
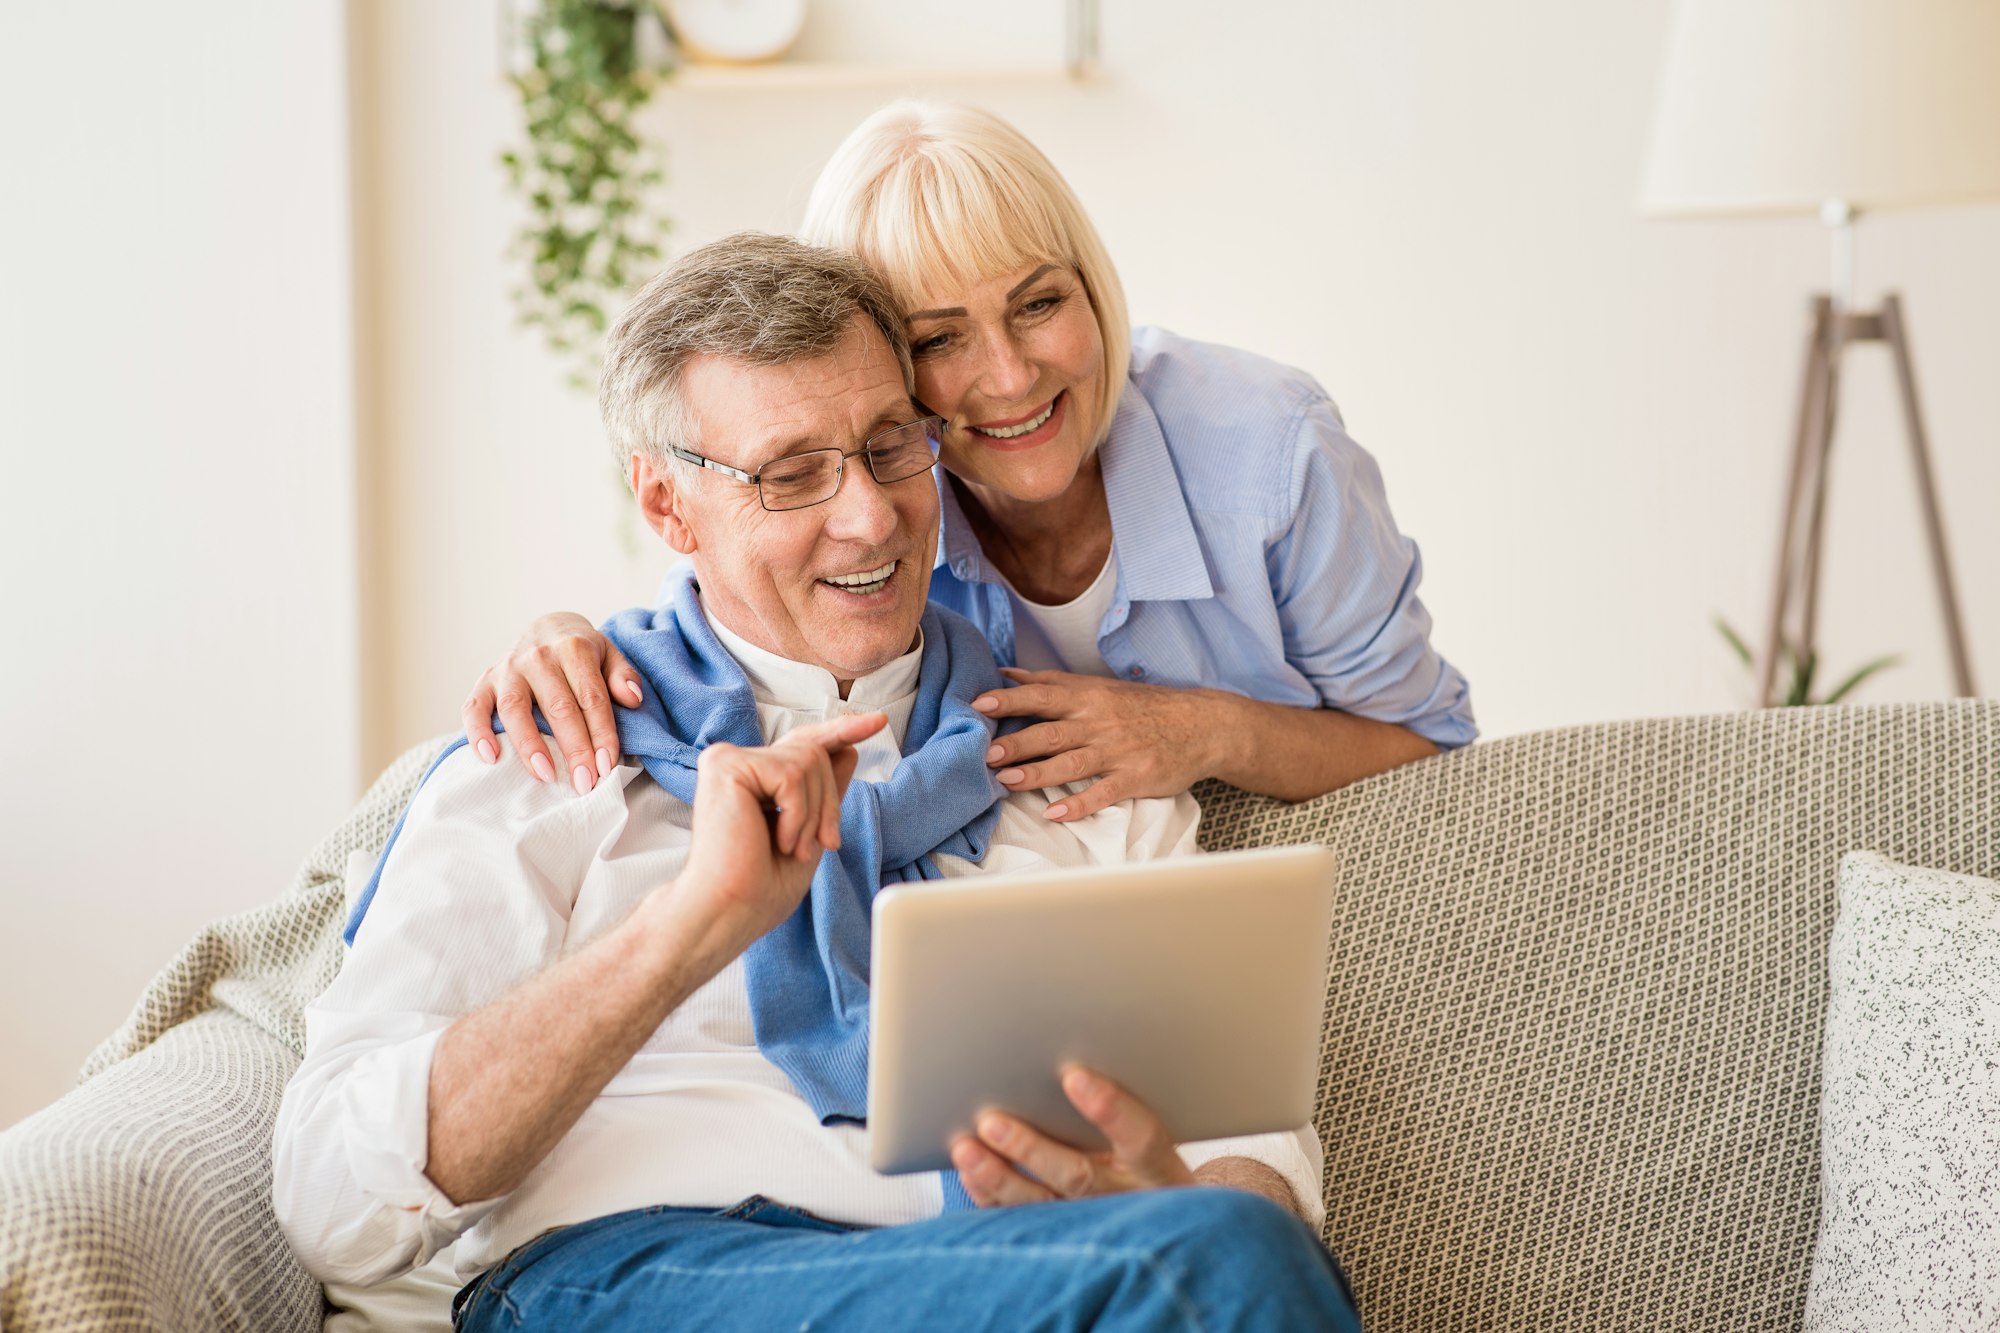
(1187, 565)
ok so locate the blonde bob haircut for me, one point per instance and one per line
(937, 197)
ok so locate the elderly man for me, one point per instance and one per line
(610, 1043)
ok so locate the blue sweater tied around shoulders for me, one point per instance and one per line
(808, 976)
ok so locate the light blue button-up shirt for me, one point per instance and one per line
(1255, 547)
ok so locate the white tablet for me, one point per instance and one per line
(1196, 982)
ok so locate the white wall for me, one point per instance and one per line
(1428, 203)
(1583, 417)
(176, 520)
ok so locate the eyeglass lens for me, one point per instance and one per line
(812, 478)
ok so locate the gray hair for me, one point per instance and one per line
(759, 299)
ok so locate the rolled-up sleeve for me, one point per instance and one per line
(1345, 582)
(474, 899)
(349, 1183)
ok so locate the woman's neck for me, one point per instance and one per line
(1050, 550)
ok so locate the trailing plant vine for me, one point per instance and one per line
(583, 174)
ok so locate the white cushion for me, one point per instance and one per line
(1910, 1104)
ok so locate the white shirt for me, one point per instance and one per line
(496, 876)
(1064, 638)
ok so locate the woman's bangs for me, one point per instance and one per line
(944, 226)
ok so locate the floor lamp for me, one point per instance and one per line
(1834, 108)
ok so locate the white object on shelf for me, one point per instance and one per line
(886, 43)
(735, 31)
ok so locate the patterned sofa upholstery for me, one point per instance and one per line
(1570, 1069)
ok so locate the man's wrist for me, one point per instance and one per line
(683, 935)
(1251, 1176)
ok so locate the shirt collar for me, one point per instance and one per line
(957, 547)
(799, 686)
(1159, 557)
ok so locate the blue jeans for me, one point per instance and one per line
(1185, 1259)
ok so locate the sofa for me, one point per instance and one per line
(1571, 1059)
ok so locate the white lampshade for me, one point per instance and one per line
(1778, 106)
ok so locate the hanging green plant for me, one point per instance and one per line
(583, 175)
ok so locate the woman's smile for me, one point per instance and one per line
(1028, 432)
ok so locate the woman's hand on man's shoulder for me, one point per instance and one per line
(563, 666)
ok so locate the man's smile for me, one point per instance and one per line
(864, 583)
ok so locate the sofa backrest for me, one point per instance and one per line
(1578, 978)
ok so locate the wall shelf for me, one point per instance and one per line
(786, 74)
(1079, 63)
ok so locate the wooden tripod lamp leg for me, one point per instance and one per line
(1819, 480)
(1894, 333)
(1808, 459)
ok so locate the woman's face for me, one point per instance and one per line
(1015, 366)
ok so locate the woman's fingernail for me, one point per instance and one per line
(1009, 776)
(985, 704)
(580, 779)
(544, 770)
(995, 755)
(487, 752)
(994, 1130)
(632, 691)
(603, 762)
(1058, 811)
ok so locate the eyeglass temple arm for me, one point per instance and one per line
(688, 456)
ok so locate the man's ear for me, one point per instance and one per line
(658, 489)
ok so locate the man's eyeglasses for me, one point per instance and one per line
(800, 481)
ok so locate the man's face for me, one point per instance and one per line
(766, 575)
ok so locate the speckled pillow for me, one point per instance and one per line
(1910, 1106)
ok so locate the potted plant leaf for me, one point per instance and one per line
(1797, 671)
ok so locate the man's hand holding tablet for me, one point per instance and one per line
(1008, 1161)
(998, 1007)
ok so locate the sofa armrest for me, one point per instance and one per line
(142, 1199)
